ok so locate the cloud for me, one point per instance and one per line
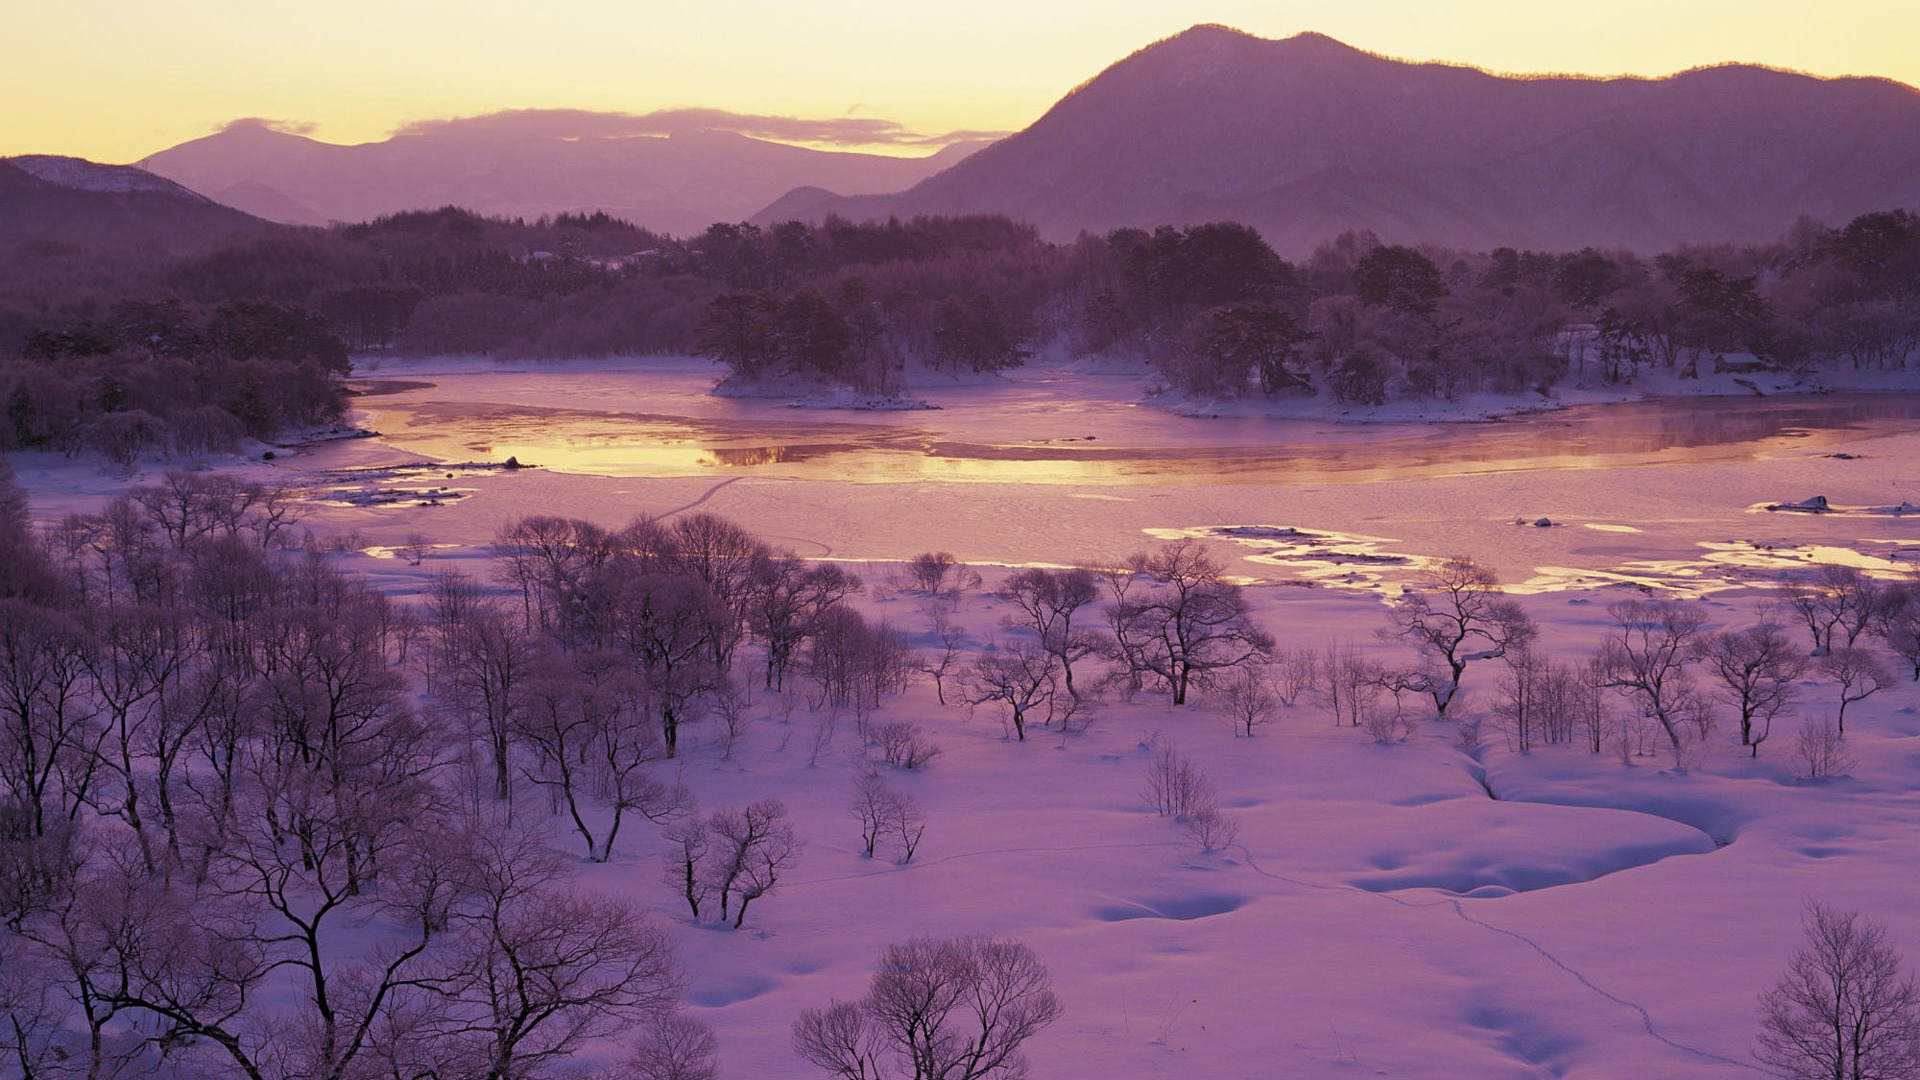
(585, 124)
(285, 127)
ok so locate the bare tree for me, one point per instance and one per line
(748, 851)
(1398, 683)
(415, 548)
(887, 813)
(1126, 645)
(590, 737)
(557, 727)
(845, 1041)
(286, 895)
(668, 624)
(76, 1019)
(1846, 1009)
(949, 636)
(1458, 615)
(1348, 684)
(855, 664)
(1019, 676)
(906, 823)
(1250, 698)
(1188, 623)
(1592, 717)
(47, 722)
(1898, 624)
(551, 559)
(189, 507)
(1860, 673)
(904, 745)
(483, 664)
(1213, 828)
(1646, 658)
(1295, 669)
(938, 1009)
(1835, 599)
(1759, 670)
(731, 708)
(673, 1046)
(537, 968)
(1048, 601)
(34, 1034)
(138, 654)
(789, 597)
(938, 573)
(726, 559)
(1819, 751)
(1388, 726)
(870, 805)
(1175, 787)
(689, 842)
(1538, 700)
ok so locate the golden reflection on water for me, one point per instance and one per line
(1664, 432)
(747, 456)
(846, 461)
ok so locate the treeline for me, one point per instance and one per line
(1217, 312)
(157, 376)
(851, 303)
(1211, 306)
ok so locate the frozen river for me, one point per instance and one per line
(1066, 467)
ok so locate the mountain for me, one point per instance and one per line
(69, 201)
(1305, 137)
(525, 165)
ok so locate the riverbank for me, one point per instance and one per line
(1652, 385)
(1135, 383)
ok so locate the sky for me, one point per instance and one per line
(116, 80)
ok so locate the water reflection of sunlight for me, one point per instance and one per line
(753, 455)
(597, 458)
(615, 456)
(919, 449)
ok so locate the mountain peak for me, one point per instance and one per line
(1306, 137)
(73, 201)
(1204, 32)
(1210, 49)
(1214, 37)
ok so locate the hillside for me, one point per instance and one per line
(523, 165)
(1304, 138)
(70, 202)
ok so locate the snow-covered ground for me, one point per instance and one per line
(1421, 909)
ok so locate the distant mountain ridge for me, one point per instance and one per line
(539, 166)
(1304, 138)
(66, 201)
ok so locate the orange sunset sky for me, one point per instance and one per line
(114, 80)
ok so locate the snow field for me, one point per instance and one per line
(1382, 915)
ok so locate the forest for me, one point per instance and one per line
(121, 352)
